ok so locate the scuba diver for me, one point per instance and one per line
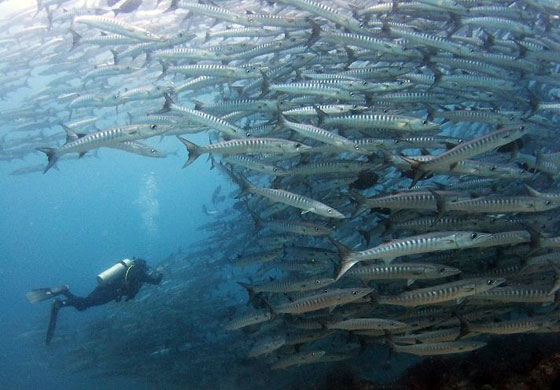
(123, 279)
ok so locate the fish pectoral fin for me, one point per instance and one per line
(331, 309)
(305, 212)
(460, 300)
(81, 154)
(409, 282)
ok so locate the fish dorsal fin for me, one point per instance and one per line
(71, 136)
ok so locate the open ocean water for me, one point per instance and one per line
(337, 194)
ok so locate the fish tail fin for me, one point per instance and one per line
(465, 328)
(256, 219)
(320, 114)
(115, 56)
(250, 290)
(198, 105)
(366, 235)
(265, 84)
(315, 32)
(415, 166)
(192, 149)
(173, 6)
(270, 307)
(245, 185)
(51, 157)
(164, 68)
(344, 253)
(440, 201)
(388, 340)
(361, 201)
(532, 191)
(75, 38)
(535, 237)
(167, 105)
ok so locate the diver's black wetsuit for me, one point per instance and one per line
(128, 285)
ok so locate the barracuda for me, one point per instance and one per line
(118, 27)
(304, 203)
(446, 348)
(467, 149)
(242, 146)
(399, 271)
(501, 204)
(322, 135)
(382, 121)
(424, 200)
(298, 360)
(105, 138)
(532, 294)
(325, 299)
(202, 118)
(290, 285)
(424, 243)
(367, 324)
(454, 291)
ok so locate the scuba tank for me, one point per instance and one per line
(113, 273)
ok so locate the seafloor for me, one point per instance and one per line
(524, 362)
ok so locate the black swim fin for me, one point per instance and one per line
(42, 294)
(52, 322)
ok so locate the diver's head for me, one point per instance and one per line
(140, 263)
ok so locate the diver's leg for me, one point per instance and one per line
(57, 304)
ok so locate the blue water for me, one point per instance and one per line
(67, 226)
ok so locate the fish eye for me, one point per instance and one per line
(153, 127)
(351, 93)
(547, 202)
(325, 291)
(489, 282)
(329, 211)
(153, 151)
(248, 134)
(318, 281)
(425, 122)
(474, 235)
(361, 24)
(441, 270)
(316, 229)
(493, 168)
(522, 128)
(354, 293)
(472, 50)
(354, 106)
(364, 83)
(275, 169)
(297, 146)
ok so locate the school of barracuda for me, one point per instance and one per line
(396, 161)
